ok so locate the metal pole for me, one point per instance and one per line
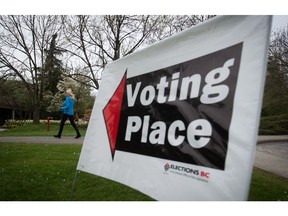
(74, 183)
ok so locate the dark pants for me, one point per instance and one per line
(63, 120)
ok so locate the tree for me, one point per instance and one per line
(93, 41)
(53, 68)
(276, 86)
(29, 53)
(83, 100)
(23, 40)
(15, 96)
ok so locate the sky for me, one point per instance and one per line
(154, 7)
(179, 7)
(279, 21)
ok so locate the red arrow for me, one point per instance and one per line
(112, 113)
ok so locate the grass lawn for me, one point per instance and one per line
(45, 172)
(41, 130)
(268, 187)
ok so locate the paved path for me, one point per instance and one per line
(271, 152)
(47, 140)
(66, 139)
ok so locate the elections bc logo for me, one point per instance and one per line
(186, 170)
(181, 113)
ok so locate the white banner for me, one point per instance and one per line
(179, 120)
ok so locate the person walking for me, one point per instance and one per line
(68, 109)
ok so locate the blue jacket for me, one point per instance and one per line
(68, 107)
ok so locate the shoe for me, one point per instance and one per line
(77, 136)
(56, 136)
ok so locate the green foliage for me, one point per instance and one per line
(274, 119)
(52, 68)
(15, 95)
(275, 100)
(274, 125)
(276, 87)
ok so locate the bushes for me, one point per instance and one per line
(9, 124)
(274, 125)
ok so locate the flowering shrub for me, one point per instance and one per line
(8, 126)
(10, 123)
(17, 122)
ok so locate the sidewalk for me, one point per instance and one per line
(272, 155)
(46, 140)
(264, 139)
(72, 140)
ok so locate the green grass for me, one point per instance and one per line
(45, 172)
(41, 130)
(268, 187)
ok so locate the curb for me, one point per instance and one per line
(265, 139)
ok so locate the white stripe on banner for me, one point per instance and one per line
(179, 120)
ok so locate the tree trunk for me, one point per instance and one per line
(36, 114)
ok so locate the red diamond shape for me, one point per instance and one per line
(112, 113)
